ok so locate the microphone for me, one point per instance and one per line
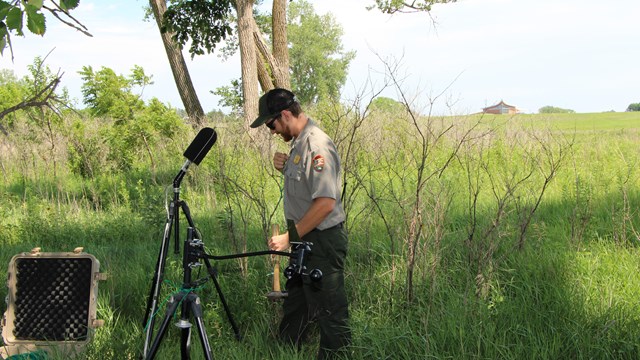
(196, 151)
(201, 145)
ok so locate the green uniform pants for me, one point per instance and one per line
(325, 301)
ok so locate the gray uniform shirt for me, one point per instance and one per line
(312, 171)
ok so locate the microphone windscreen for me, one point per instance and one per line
(200, 146)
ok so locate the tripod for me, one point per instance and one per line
(189, 300)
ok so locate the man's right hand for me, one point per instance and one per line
(279, 159)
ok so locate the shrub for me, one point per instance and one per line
(554, 110)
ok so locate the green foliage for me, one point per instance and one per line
(108, 94)
(40, 75)
(318, 62)
(11, 19)
(37, 101)
(203, 23)
(137, 126)
(35, 20)
(69, 4)
(12, 92)
(85, 153)
(14, 20)
(136, 138)
(634, 107)
(387, 105)
(554, 110)
(231, 96)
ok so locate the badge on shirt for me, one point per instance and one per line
(318, 163)
(296, 159)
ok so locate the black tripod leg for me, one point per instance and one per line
(172, 306)
(236, 331)
(152, 301)
(196, 307)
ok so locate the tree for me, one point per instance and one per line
(178, 66)
(206, 23)
(554, 110)
(108, 94)
(137, 126)
(12, 15)
(387, 105)
(33, 94)
(634, 107)
(12, 92)
(318, 63)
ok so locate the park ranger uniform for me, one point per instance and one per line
(311, 171)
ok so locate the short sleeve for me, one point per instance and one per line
(323, 168)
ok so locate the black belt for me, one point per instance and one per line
(334, 227)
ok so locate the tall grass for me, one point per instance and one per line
(570, 292)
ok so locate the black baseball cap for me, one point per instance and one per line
(271, 103)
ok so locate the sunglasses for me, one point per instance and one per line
(272, 123)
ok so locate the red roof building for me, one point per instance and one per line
(500, 108)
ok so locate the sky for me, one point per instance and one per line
(582, 55)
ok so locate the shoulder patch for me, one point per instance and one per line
(318, 163)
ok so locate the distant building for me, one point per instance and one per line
(500, 108)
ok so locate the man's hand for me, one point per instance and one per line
(279, 159)
(279, 242)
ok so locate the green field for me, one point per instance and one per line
(477, 237)
(607, 121)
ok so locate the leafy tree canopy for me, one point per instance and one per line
(554, 110)
(318, 62)
(107, 93)
(137, 125)
(634, 107)
(202, 22)
(36, 94)
(12, 90)
(387, 105)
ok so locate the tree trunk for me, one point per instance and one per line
(255, 57)
(277, 59)
(248, 56)
(179, 68)
(280, 45)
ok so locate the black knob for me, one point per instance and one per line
(289, 271)
(315, 275)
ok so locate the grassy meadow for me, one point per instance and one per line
(472, 237)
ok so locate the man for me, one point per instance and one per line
(312, 200)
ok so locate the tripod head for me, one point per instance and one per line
(297, 265)
(301, 250)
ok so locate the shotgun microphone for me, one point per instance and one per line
(196, 151)
(201, 145)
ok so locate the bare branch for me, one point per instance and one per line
(78, 25)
